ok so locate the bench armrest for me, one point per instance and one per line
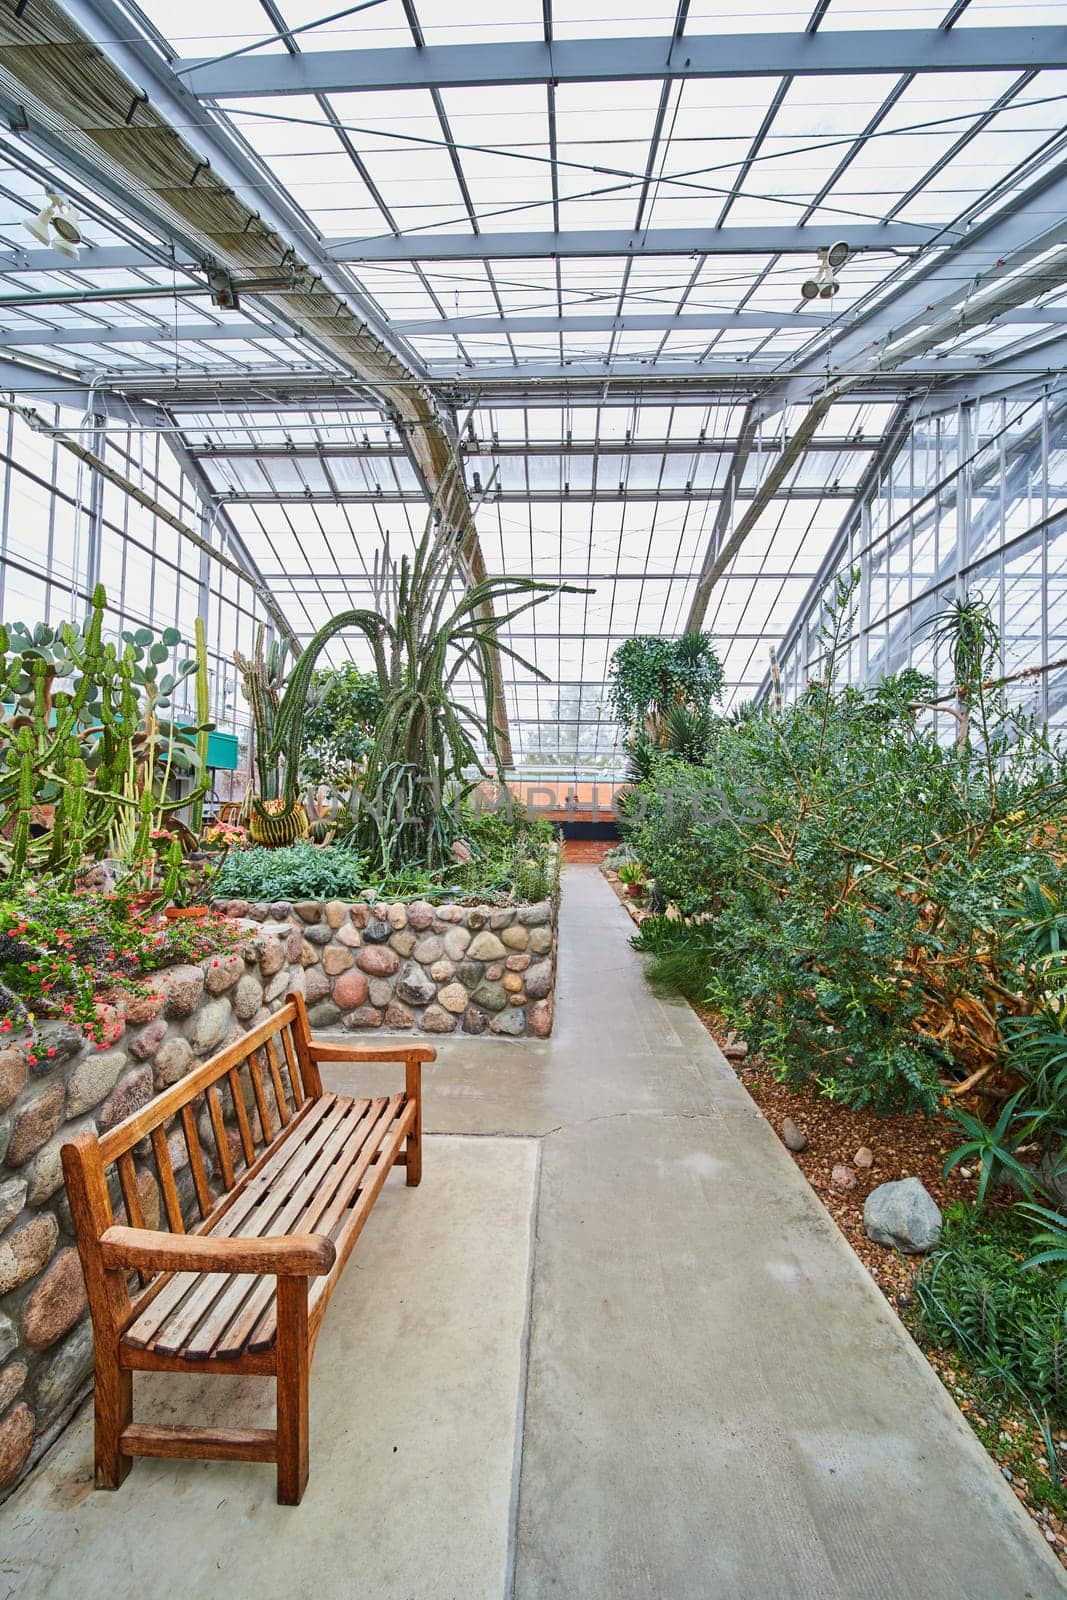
(335, 1050)
(302, 1255)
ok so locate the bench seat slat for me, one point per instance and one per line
(225, 1220)
(316, 1168)
(278, 1209)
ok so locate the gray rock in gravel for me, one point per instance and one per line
(793, 1137)
(904, 1215)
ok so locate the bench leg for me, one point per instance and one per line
(292, 1390)
(413, 1143)
(113, 1407)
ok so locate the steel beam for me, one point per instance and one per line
(144, 333)
(578, 322)
(571, 244)
(733, 55)
(95, 258)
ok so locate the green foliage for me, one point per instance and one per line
(301, 871)
(649, 675)
(993, 1148)
(857, 881)
(343, 708)
(88, 746)
(1007, 1318)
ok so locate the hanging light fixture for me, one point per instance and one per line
(56, 226)
(824, 285)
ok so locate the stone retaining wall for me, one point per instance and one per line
(432, 969)
(53, 1092)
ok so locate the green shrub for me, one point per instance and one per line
(1008, 1320)
(296, 872)
(858, 883)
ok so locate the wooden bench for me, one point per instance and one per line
(283, 1176)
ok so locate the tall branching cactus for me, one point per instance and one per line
(431, 623)
(203, 719)
(86, 767)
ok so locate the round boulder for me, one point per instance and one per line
(904, 1215)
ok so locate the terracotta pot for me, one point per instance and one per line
(185, 913)
(634, 891)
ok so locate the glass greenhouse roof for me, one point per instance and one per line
(578, 234)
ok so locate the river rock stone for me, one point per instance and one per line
(541, 941)
(380, 992)
(336, 913)
(539, 980)
(515, 937)
(435, 1019)
(26, 1250)
(281, 910)
(494, 972)
(533, 916)
(318, 935)
(470, 973)
(503, 917)
(324, 1014)
(420, 915)
(539, 1018)
(863, 1158)
(490, 996)
(316, 984)
(56, 1302)
(428, 950)
(182, 988)
(141, 1008)
(363, 1017)
(453, 997)
(486, 946)
(455, 943)
(518, 963)
(475, 1021)
(173, 1060)
(35, 1124)
(793, 1137)
(223, 972)
(16, 1441)
(248, 997)
(378, 961)
(12, 1200)
(310, 954)
(13, 1074)
(205, 1030)
(398, 1016)
(398, 916)
(414, 987)
(145, 1044)
(512, 983)
(359, 914)
(280, 984)
(336, 959)
(129, 1095)
(349, 935)
(403, 942)
(843, 1177)
(93, 1077)
(8, 1337)
(45, 1172)
(62, 1378)
(903, 1214)
(511, 1023)
(378, 930)
(308, 911)
(350, 990)
(11, 1381)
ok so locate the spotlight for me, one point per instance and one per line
(810, 289)
(56, 225)
(838, 254)
(824, 285)
(829, 289)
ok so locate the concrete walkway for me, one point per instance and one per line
(628, 1356)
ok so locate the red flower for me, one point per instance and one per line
(51, 1050)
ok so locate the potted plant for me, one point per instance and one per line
(183, 886)
(632, 874)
